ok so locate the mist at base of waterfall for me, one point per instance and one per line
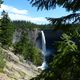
(43, 66)
(49, 53)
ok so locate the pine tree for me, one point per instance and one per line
(69, 5)
(7, 29)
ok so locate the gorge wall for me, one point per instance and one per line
(35, 37)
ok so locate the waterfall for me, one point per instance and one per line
(44, 53)
(43, 44)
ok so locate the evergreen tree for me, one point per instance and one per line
(69, 5)
(7, 29)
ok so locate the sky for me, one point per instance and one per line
(23, 10)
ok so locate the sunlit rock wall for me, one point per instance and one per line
(35, 36)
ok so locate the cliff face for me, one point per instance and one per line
(32, 35)
(50, 35)
(16, 68)
(35, 37)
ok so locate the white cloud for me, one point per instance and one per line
(37, 20)
(14, 10)
(17, 14)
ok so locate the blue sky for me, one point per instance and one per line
(22, 10)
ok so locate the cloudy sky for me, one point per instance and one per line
(22, 10)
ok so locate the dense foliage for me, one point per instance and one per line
(6, 30)
(27, 49)
(31, 26)
(66, 62)
(2, 61)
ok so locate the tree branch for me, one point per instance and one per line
(69, 19)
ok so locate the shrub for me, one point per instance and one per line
(37, 56)
(2, 61)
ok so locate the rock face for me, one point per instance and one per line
(52, 36)
(17, 70)
(32, 35)
(35, 36)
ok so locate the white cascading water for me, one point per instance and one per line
(43, 44)
(44, 53)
